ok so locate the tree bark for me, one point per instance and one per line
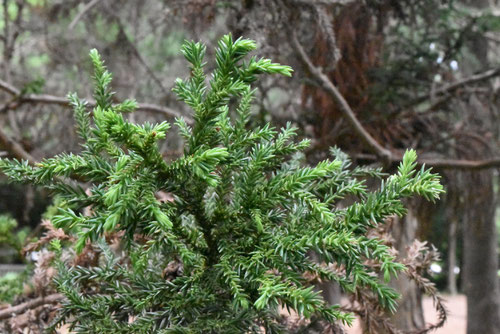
(480, 278)
(452, 256)
(410, 314)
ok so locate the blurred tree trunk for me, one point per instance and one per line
(453, 208)
(480, 279)
(452, 255)
(410, 314)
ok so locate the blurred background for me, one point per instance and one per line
(372, 77)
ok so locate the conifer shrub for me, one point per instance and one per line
(218, 240)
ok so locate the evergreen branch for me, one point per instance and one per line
(217, 239)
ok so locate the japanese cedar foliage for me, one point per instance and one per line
(242, 219)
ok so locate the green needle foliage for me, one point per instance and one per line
(232, 243)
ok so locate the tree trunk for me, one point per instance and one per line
(452, 256)
(410, 314)
(480, 279)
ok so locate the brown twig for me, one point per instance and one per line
(34, 303)
(418, 260)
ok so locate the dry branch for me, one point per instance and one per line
(7, 142)
(34, 303)
(5, 86)
(346, 110)
(461, 164)
(450, 88)
(439, 163)
(62, 101)
(84, 10)
(15, 148)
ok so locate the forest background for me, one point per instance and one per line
(372, 77)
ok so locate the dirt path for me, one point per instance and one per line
(457, 315)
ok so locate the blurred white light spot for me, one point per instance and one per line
(432, 46)
(35, 256)
(436, 268)
(437, 78)
(439, 60)
(454, 65)
(456, 270)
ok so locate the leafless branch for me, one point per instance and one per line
(62, 101)
(34, 303)
(5, 86)
(15, 148)
(440, 163)
(450, 88)
(346, 110)
(461, 164)
(84, 10)
(137, 54)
